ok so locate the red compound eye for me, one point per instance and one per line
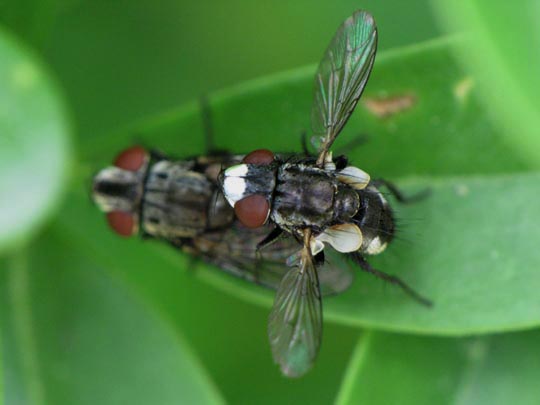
(131, 159)
(259, 157)
(252, 211)
(122, 223)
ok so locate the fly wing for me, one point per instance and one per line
(234, 250)
(341, 78)
(336, 275)
(295, 323)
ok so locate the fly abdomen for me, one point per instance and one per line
(376, 220)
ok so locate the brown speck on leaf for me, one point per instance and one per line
(384, 107)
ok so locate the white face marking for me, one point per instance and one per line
(375, 247)
(233, 188)
(234, 184)
(236, 171)
(115, 175)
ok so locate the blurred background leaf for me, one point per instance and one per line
(425, 370)
(501, 53)
(120, 60)
(34, 146)
(73, 335)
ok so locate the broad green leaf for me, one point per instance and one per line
(501, 53)
(390, 369)
(72, 334)
(443, 131)
(236, 352)
(469, 247)
(227, 333)
(34, 145)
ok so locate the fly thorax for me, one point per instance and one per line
(347, 203)
(176, 201)
(304, 196)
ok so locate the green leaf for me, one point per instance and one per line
(143, 58)
(72, 334)
(469, 246)
(501, 54)
(389, 369)
(34, 145)
(443, 132)
(227, 333)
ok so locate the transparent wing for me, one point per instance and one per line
(295, 324)
(341, 78)
(234, 250)
(336, 275)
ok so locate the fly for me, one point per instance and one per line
(179, 202)
(319, 200)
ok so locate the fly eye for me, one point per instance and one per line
(259, 157)
(252, 211)
(131, 159)
(123, 223)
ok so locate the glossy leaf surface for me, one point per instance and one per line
(469, 246)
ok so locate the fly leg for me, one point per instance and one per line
(206, 116)
(193, 255)
(303, 140)
(272, 237)
(364, 265)
(358, 140)
(396, 192)
(157, 155)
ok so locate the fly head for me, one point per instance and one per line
(249, 187)
(118, 190)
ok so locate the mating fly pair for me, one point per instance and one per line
(318, 200)
(278, 201)
(179, 202)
